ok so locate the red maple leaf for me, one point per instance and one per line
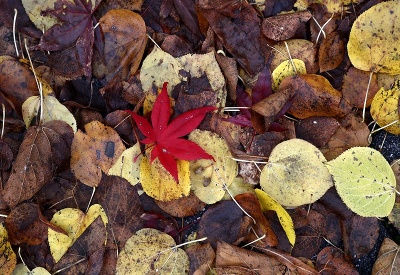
(166, 139)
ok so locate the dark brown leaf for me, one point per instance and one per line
(182, 207)
(201, 257)
(316, 130)
(6, 156)
(331, 261)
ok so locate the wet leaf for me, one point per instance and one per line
(208, 178)
(295, 173)
(268, 203)
(74, 222)
(124, 43)
(8, 257)
(95, 151)
(44, 148)
(388, 260)
(365, 181)
(385, 109)
(150, 250)
(373, 39)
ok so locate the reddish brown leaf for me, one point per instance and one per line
(238, 27)
(284, 26)
(44, 148)
(332, 261)
(201, 257)
(331, 52)
(182, 207)
(316, 130)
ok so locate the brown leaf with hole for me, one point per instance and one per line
(355, 85)
(182, 207)
(201, 257)
(94, 152)
(351, 132)
(316, 130)
(388, 261)
(250, 203)
(125, 40)
(44, 148)
(284, 26)
(331, 52)
(26, 224)
(17, 82)
(315, 97)
(332, 261)
(237, 25)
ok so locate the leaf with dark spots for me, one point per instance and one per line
(237, 25)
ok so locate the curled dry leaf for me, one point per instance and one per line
(151, 251)
(388, 261)
(43, 149)
(8, 257)
(94, 152)
(124, 43)
(284, 26)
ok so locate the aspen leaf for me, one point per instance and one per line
(74, 222)
(238, 186)
(21, 269)
(286, 69)
(8, 257)
(388, 261)
(373, 42)
(158, 183)
(150, 251)
(385, 108)
(365, 181)
(295, 174)
(34, 9)
(268, 203)
(52, 110)
(126, 167)
(210, 178)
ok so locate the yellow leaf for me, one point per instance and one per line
(158, 183)
(150, 251)
(52, 110)
(238, 187)
(74, 222)
(286, 69)
(209, 179)
(385, 108)
(373, 42)
(295, 173)
(268, 203)
(364, 181)
(126, 167)
(8, 258)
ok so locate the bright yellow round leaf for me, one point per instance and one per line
(158, 183)
(373, 43)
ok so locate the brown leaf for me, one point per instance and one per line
(236, 24)
(351, 132)
(331, 261)
(316, 130)
(44, 148)
(224, 222)
(201, 257)
(250, 203)
(95, 151)
(125, 40)
(26, 224)
(315, 97)
(331, 52)
(182, 207)
(17, 83)
(355, 83)
(388, 260)
(284, 26)
(6, 156)
(120, 121)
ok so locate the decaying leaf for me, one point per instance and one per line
(332, 260)
(158, 183)
(34, 9)
(94, 152)
(388, 261)
(44, 148)
(268, 203)
(150, 250)
(8, 257)
(201, 257)
(285, 69)
(74, 222)
(373, 39)
(385, 109)
(295, 173)
(128, 165)
(209, 179)
(365, 181)
(331, 52)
